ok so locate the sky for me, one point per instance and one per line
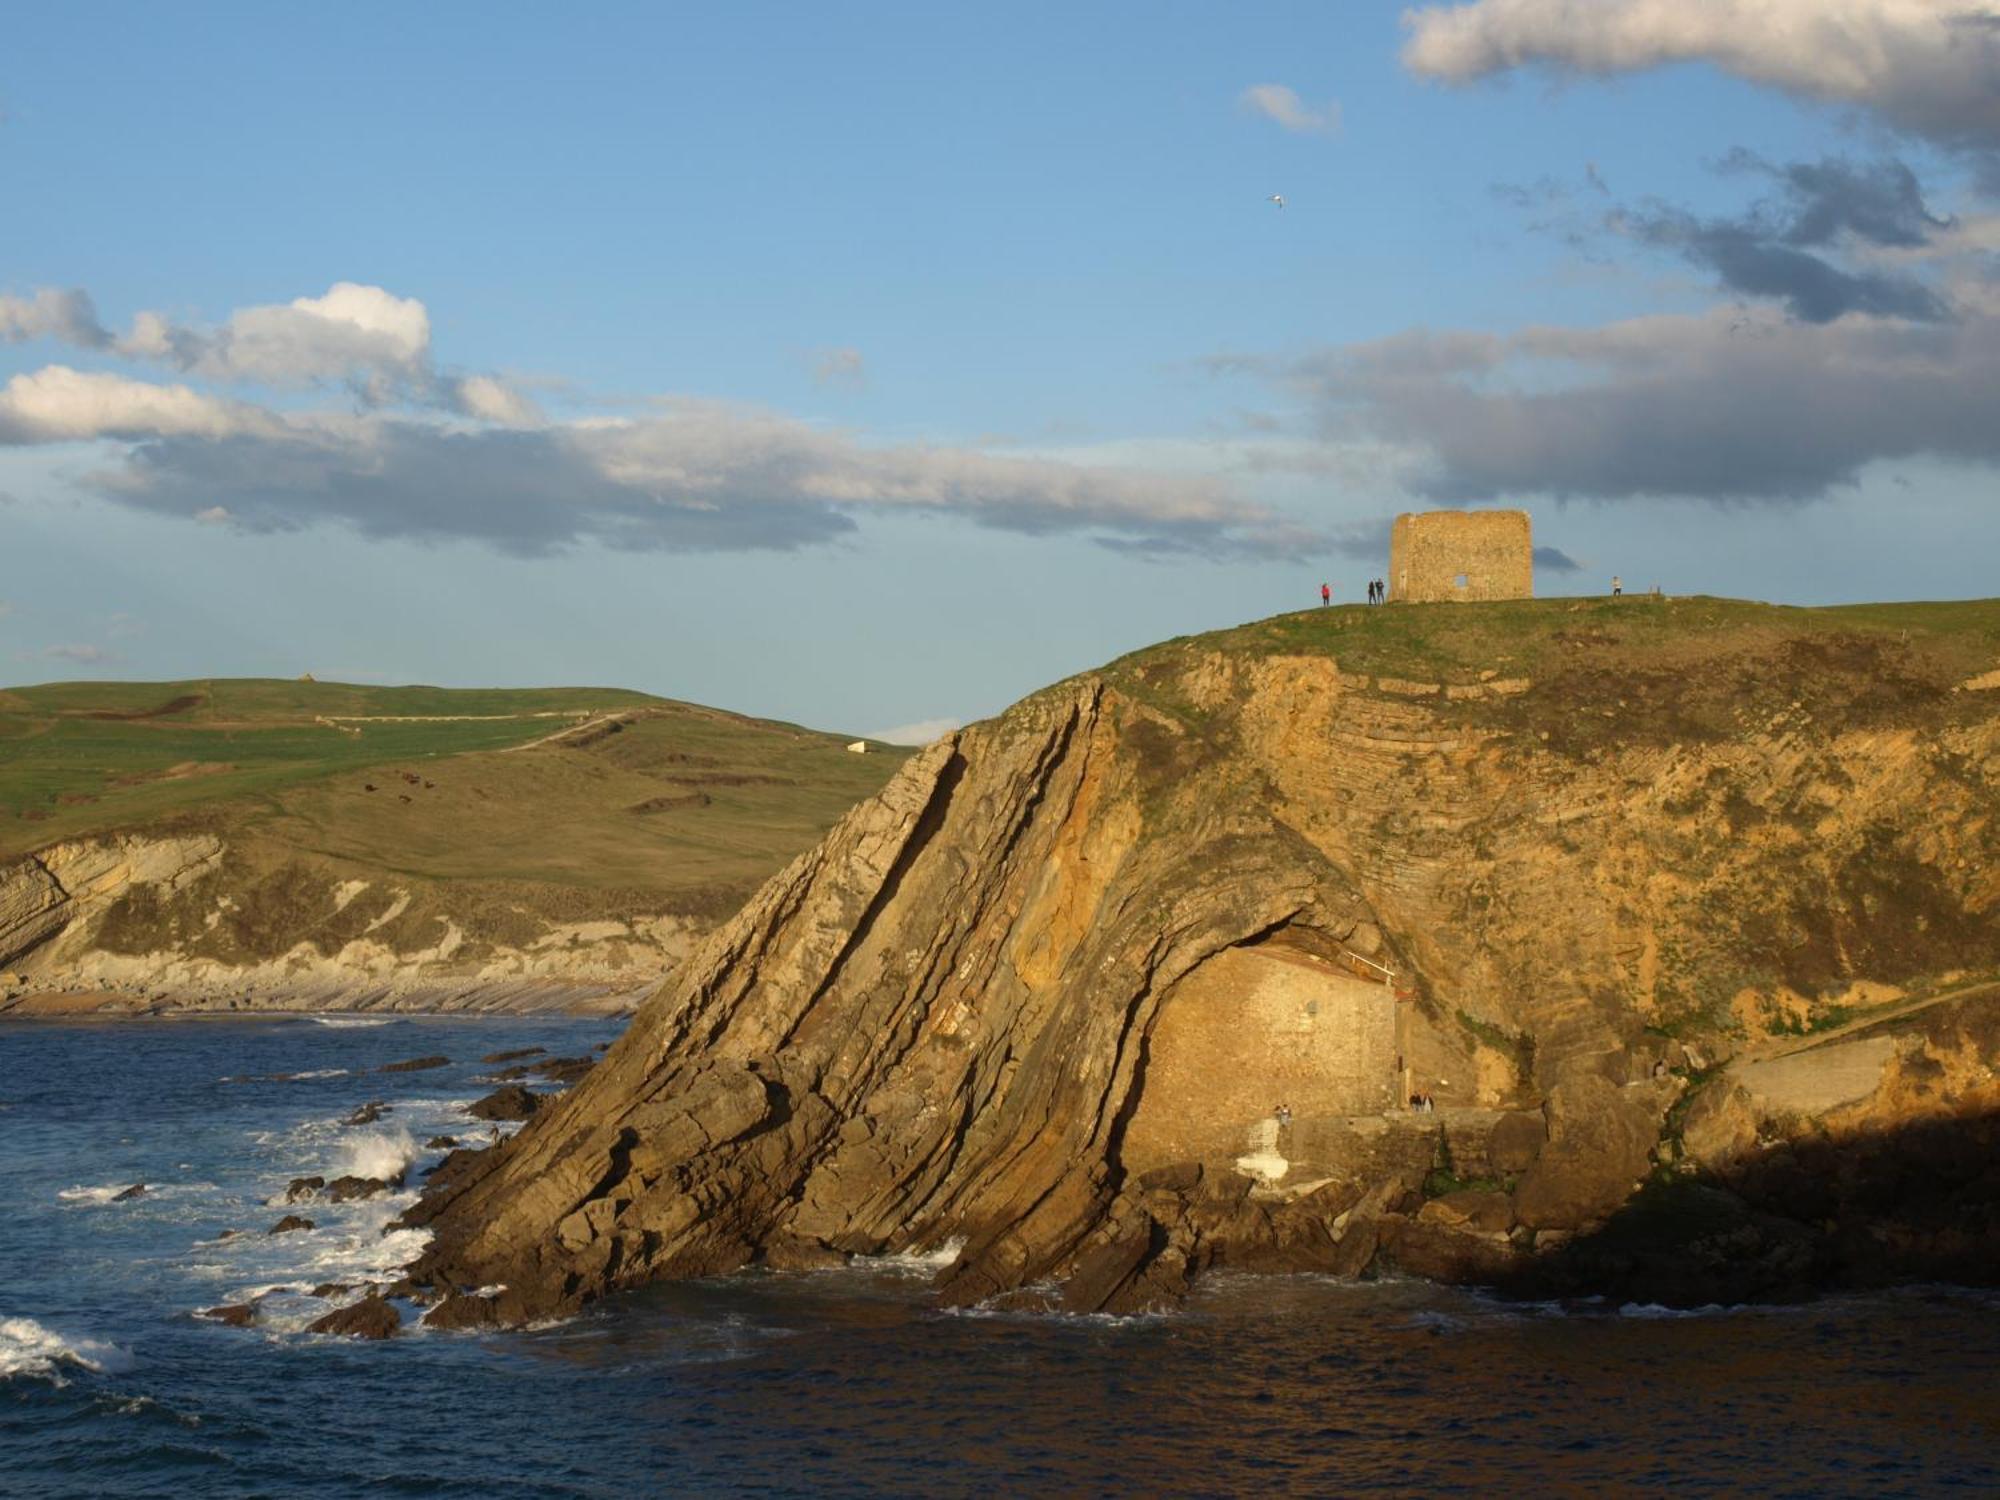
(871, 366)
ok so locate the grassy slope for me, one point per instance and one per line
(733, 798)
(1591, 653)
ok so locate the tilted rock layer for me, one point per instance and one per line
(1571, 888)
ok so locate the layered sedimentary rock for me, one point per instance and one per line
(937, 1030)
(169, 919)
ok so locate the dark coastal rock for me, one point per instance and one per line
(331, 1289)
(510, 1103)
(303, 1188)
(459, 1311)
(1601, 1139)
(564, 1069)
(370, 1318)
(440, 1143)
(235, 1314)
(415, 1065)
(346, 1189)
(291, 1224)
(514, 1056)
(368, 1113)
(136, 1190)
(453, 1167)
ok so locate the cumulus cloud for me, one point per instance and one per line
(52, 314)
(1276, 102)
(691, 475)
(356, 333)
(471, 456)
(1930, 68)
(489, 399)
(1718, 406)
(1555, 560)
(57, 404)
(1786, 246)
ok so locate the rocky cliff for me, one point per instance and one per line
(1142, 977)
(132, 922)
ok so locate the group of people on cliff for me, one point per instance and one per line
(1378, 592)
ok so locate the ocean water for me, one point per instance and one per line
(831, 1382)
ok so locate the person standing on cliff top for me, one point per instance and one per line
(1325, 595)
(1617, 587)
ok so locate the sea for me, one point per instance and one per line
(834, 1382)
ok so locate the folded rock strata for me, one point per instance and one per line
(984, 1016)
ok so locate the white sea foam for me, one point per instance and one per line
(913, 1262)
(1655, 1310)
(379, 1153)
(93, 1194)
(155, 1191)
(348, 1022)
(28, 1348)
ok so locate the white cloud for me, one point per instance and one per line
(1274, 101)
(79, 653)
(841, 367)
(922, 732)
(493, 400)
(354, 332)
(57, 404)
(1929, 67)
(214, 515)
(52, 314)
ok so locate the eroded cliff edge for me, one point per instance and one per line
(1039, 1002)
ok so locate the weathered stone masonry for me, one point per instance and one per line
(1461, 554)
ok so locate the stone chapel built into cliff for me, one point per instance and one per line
(1461, 554)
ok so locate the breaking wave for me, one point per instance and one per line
(383, 1154)
(28, 1348)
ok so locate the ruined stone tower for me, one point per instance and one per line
(1461, 554)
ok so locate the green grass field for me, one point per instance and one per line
(679, 805)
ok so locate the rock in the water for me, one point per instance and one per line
(235, 1314)
(514, 1056)
(303, 1188)
(564, 1069)
(459, 1311)
(136, 1190)
(370, 1318)
(331, 1289)
(440, 1143)
(415, 1065)
(368, 1113)
(344, 1189)
(510, 1103)
(292, 1224)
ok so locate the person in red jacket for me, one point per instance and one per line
(1325, 594)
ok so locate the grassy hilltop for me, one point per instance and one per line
(576, 802)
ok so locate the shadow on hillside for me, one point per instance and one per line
(1918, 1203)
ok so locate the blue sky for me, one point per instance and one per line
(874, 365)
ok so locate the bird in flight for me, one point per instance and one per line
(1277, 198)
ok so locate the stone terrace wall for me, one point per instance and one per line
(1491, 549)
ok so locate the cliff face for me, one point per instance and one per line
(1138, 978)
(180, 920)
